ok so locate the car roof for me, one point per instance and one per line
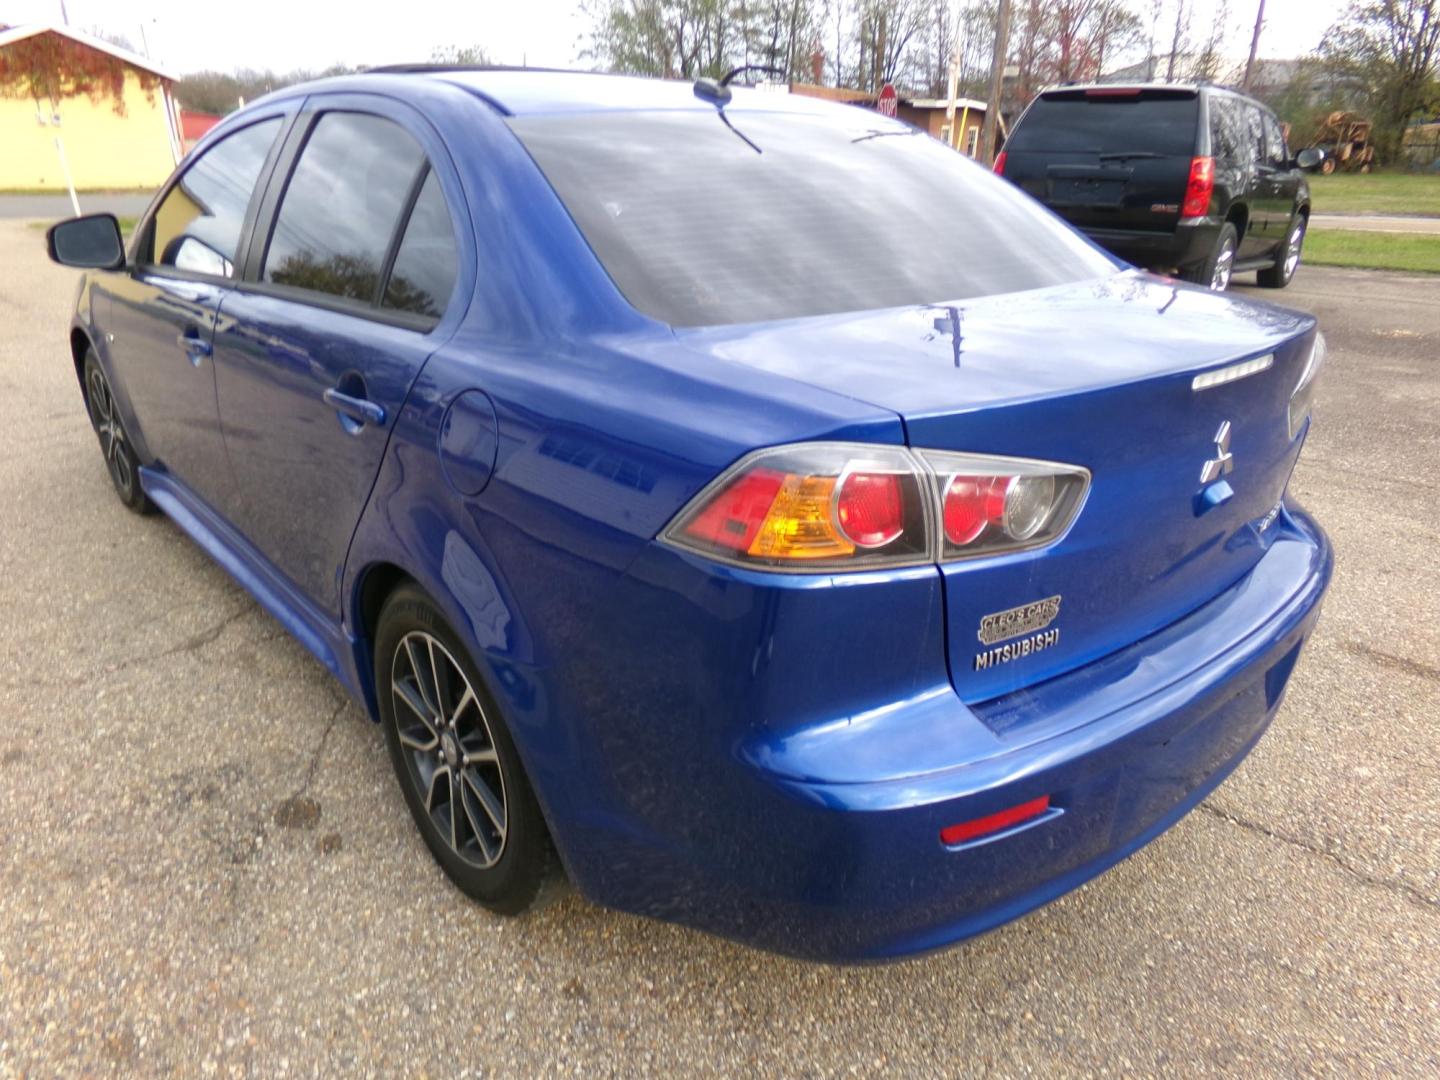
(532, 91)
(1180, 88)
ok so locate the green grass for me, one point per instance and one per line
(1376, 193)
(1373, 250)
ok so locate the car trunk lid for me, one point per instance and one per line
(1100, 375)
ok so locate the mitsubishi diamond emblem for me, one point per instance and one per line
(1223, 461)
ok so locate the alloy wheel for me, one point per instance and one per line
(1224, 266)
(449, 749)
(105, 418)
(1292, 249)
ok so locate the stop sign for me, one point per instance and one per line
(887, 104)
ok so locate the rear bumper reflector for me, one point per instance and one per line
(993, 823)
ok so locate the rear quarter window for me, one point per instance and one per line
(1080, 124)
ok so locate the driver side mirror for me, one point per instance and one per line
(91, 242)
(1309, 159)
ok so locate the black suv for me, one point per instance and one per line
(1193, 179)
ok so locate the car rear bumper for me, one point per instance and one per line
(827, 842)
(1187, 246)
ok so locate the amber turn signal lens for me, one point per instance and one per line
(798, 524)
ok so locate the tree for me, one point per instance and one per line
(48, 68)
(220, 92)
(468, 56)
(1392, 48)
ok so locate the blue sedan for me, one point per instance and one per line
(739, 504)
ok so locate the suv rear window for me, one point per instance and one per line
(703, 219)
(1110, 123)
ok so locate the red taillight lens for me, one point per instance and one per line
(1000, 163)
(971, 503)
(1200, 187)
(849, 506)
(870, 508)
(993, 823)
(732, 518)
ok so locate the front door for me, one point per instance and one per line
(160, 336)
(161, 333)
(315, 356)
(1282, 183)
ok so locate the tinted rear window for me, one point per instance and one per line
(1076, 124)
(785, 215)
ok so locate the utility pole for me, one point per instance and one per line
(997, 83)
(1254, 46)
(956, 138)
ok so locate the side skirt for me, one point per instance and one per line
(329, 642)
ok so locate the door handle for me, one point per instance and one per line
(361, 410)
(196, 348)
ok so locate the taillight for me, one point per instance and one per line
(1200, 187)
(1302, 398)
(826, 506)
(1000, 163)
(993, 504)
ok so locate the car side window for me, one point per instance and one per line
(197, 226)
(1222, 131)
(341, 207)
(1256, 123)
(424, 271)
(1274, 142)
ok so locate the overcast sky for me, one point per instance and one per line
(188, 35)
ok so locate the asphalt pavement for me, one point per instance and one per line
(55, 207)
(206, 866)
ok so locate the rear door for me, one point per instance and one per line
(348, 282)
(163, 311)
(1108, 157)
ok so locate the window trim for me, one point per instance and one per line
(268, 215)
(143, 239)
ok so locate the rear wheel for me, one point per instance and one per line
(1327, 167)
(1216, 270)
(120, 460)
(456, 763)
(1281, 274)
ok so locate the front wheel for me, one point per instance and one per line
(120, 460)
(457, 766)
(1283, 272)
(1217, 268)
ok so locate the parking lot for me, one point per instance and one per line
(206, 865)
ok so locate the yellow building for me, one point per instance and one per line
(105, 149)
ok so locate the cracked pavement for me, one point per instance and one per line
(206, 866)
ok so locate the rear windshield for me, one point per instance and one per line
(1076, 124)
(704, 219)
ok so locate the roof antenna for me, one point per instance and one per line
(717, 91)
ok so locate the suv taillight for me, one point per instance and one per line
(1000, 163)
(1200, 188)
(850, 506)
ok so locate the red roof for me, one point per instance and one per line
(194, 125)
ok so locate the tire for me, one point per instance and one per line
(447, 742)
(1327, 167)
(120, 460)
(1283, 272)
(1219, 265)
